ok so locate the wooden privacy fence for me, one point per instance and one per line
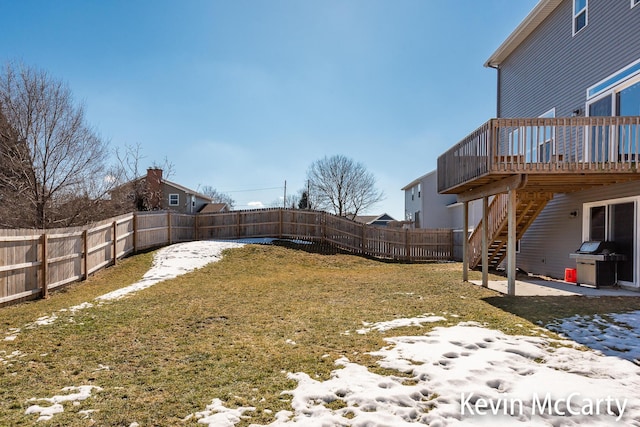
(324, 228)
(32, 262)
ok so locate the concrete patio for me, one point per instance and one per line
(540, 287)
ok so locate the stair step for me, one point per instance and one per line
(527, 209)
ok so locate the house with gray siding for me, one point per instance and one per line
(560, 159)
(425, 208)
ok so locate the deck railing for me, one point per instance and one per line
(496, 216)
(542, 145)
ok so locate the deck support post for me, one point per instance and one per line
(511, 243)
(465, 242)
(485, 242)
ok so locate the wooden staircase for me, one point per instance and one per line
(528, 207)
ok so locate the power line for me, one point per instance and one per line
(255, 189)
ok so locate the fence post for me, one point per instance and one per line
(115, 242)
(238, 226)
(364, 237)
(196, 219)
(323, 219)
(169, 226)
(45, 285)
(406, 244)
(280, 213)
(135, 232)
(85, 256)
(452, 245)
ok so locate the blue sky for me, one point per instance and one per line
(244, 95)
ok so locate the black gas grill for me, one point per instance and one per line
(596, 263)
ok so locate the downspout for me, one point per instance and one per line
(498, 106)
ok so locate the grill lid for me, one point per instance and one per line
(595, 247)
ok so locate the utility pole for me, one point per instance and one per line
(284, 202)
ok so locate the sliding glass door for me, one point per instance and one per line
(600, 138)
(616, 221)
(628, 104)
(624, 140)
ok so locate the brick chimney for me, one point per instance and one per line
(154, 188)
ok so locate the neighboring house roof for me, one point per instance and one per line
(186, 190)
(214, 208)
(539, 13)
(365, 219)
(170, 184)
(417, 181)
(374, 219)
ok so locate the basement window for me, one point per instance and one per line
(579, 15)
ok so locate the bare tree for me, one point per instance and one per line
(132, 191)
(57, 162)
(342, 186)
(217, 196)
(11, 184)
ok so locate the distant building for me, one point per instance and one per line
(153, 192)
(425, 208)
(215, 208)
(382, 220)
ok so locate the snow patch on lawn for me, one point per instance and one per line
(217, 415)
(612, 334)
(399, 323)
(47, 412)
(173, 261)
(468, 375)
(8, 358)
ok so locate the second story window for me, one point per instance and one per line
(174, 199)
(579, 14)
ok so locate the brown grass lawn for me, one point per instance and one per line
(226, 331)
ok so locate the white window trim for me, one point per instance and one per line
(612, 89)
(614, 80)
(634, 3)
(575, 15)
(586, 207)
(177, 199)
